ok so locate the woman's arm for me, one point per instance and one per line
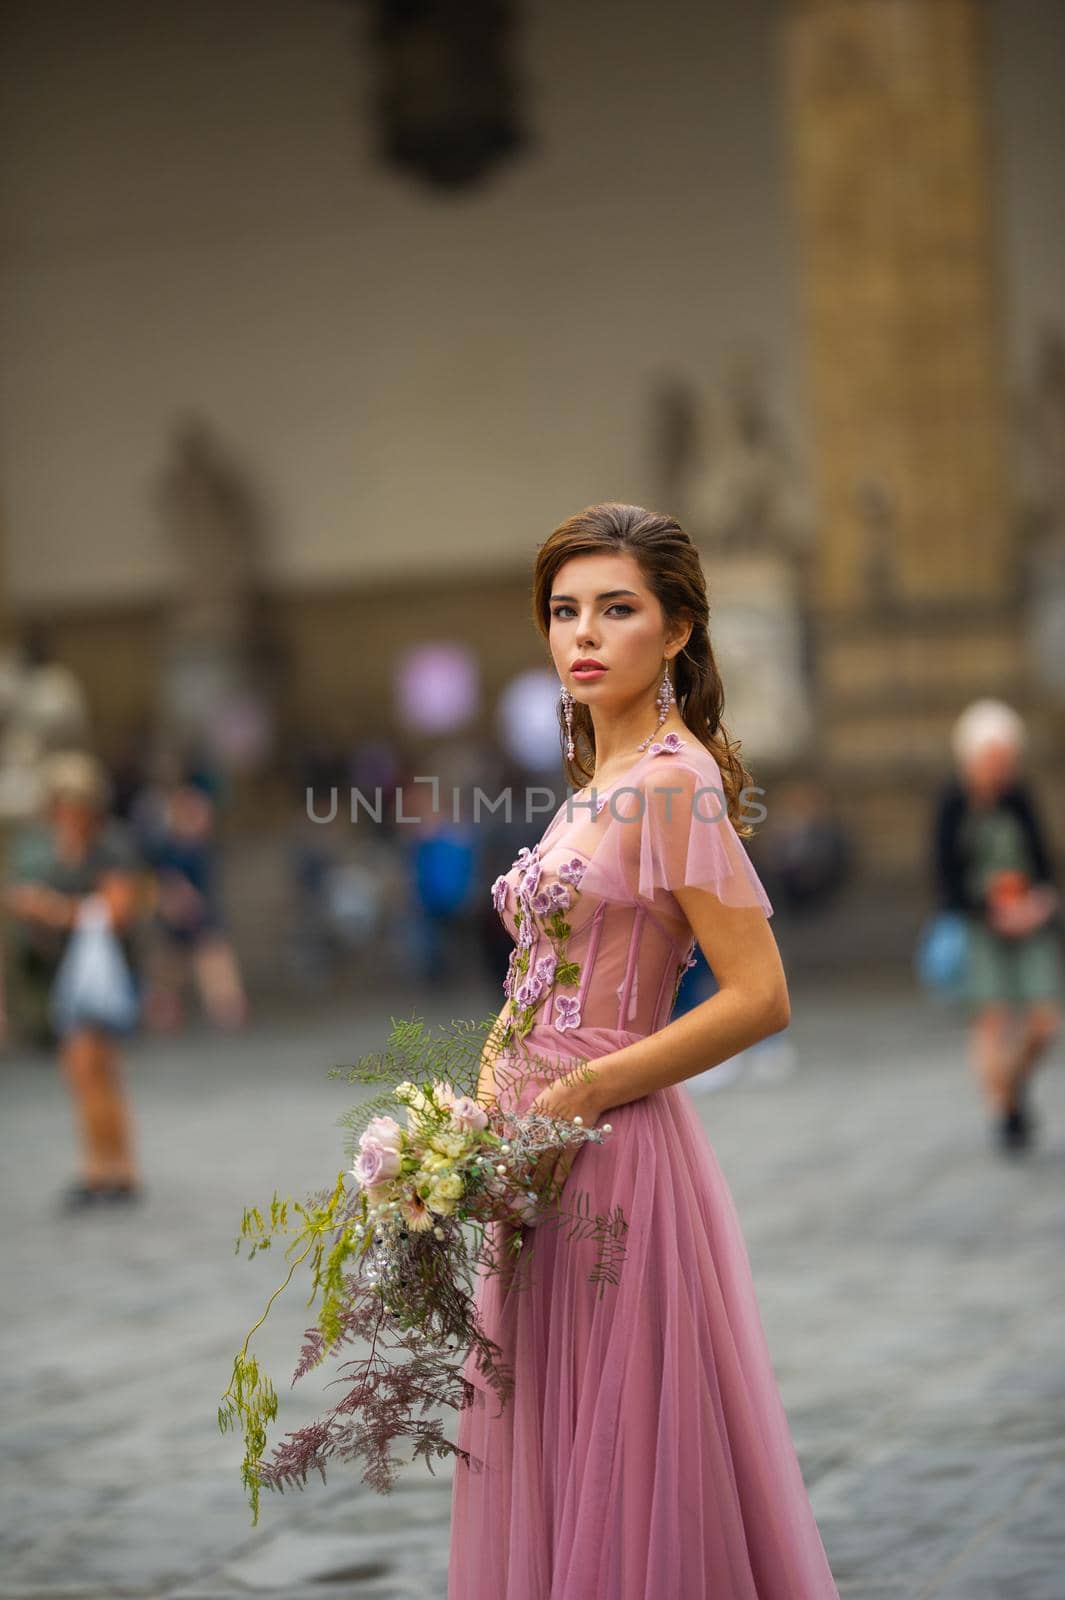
(1027, 811)
(751, 1003)
(123, 890)
(486, 1082)
(38, 902)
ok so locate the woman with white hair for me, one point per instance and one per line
(83, 851)
(992, 865)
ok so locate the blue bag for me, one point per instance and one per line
(942, 955)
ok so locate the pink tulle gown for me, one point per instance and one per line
(645, 1452)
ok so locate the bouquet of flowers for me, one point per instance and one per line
(443, 1185)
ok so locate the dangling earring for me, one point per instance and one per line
(665, 700)
(567, 711)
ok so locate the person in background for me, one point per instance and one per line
(992, 865)
(188, 932)
(79, 851)
(440, 860)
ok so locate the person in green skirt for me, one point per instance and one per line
(993, 866)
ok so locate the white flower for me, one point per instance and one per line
(418, 1106)
(415, 1212)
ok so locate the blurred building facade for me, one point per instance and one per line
(418, 379)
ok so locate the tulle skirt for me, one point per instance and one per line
(644, 1453)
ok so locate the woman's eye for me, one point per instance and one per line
(619, 605)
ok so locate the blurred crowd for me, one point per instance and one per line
(161, 835)
(116, 917)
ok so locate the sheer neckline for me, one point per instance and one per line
(583, 796)
(684, 742)
(642, 756)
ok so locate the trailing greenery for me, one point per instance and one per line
(402, 1279)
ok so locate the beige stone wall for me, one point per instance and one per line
(421, 387)
(192, 215)
(904, 358)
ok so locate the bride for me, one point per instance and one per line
(644, 1453)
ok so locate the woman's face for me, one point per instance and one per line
(191, 812)
(602, 610)
(994, 766)
(72, 817)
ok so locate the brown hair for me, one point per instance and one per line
(671, 567)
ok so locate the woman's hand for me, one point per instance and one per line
(575, 1095)
(572, 1096)
(1015, 918)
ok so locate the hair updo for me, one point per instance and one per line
(671, 567)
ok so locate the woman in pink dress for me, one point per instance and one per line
(644, 1453)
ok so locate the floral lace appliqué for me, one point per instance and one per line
(567, 1012)
(540, 908)
(667, 746)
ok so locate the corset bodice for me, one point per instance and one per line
(581, 960)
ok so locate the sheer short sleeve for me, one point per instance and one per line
(670, 829)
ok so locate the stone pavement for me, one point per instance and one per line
(910, 1281)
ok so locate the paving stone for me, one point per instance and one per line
(294, 1560)
(908, 1278)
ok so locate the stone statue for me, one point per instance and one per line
(212, 524)
(734, 486)
(216, 685)
(744, 493)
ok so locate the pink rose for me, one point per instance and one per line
(376, 1163)
(467, 1115)
(383, 1131)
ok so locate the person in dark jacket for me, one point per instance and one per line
(992, 865)
(188, 934)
